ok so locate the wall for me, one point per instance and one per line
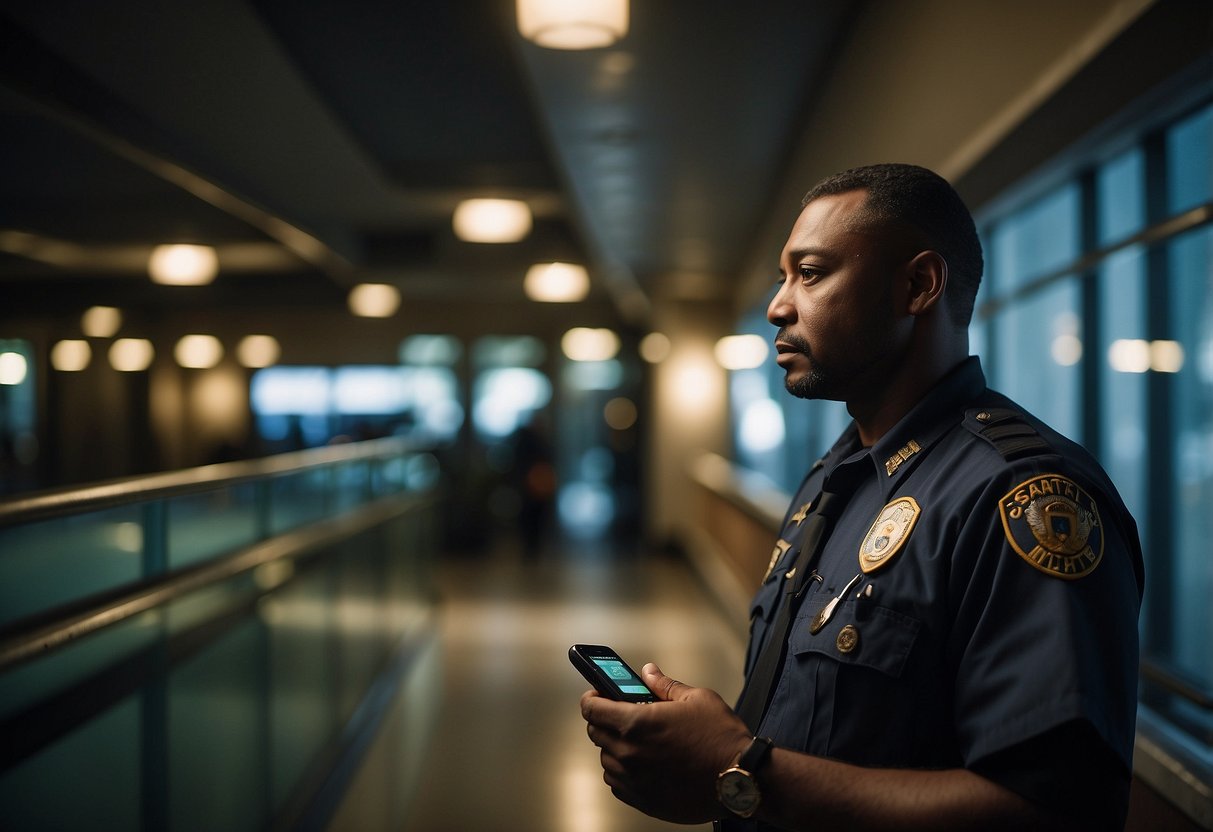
(936, 83)
(688, 416)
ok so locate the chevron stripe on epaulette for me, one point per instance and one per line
(1006, 430)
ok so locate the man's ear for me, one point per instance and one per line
(928, 277)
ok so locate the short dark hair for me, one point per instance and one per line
(923, 199)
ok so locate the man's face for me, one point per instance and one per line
(839, 334)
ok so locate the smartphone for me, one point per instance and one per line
(609, 674)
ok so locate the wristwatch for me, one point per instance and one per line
(736, 788)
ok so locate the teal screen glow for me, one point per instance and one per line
(624, 679)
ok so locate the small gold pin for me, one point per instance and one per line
(894, 462)
(848, 639)
(800, 515)
(781, 548)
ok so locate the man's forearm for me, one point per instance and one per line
(800, 791)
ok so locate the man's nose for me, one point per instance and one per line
(780, 312)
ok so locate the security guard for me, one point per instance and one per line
(947, 633)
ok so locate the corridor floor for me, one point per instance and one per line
(509, 749)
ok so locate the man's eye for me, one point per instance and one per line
(808, 273)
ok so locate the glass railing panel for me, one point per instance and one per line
(300, 675)
(389, 476)
(88, 779)
(351, 484)
(216, 735)
(212, 710)
(207, 525)
(298, 499)
(45, 564)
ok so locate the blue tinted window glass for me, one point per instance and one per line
(1039, 343)
(1190, 161)
(1120, 194)
(1191, 414)
(1034, 241)
(1122, 318)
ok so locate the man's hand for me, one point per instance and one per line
(663, 757)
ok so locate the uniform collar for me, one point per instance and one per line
(899, 450)
(941, 409)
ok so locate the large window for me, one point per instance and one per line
(1098, 316)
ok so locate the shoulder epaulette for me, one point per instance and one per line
(1006, 430)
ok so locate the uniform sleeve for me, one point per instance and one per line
(1044, 639)
(1094, 794)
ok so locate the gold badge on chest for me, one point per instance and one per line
(888, 534)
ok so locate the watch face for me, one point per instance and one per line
(738, 792)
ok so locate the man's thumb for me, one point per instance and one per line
(666, 688)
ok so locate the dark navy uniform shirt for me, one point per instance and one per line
(997, 613)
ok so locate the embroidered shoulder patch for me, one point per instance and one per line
(1053, 525)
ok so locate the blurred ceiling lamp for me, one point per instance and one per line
(573, 24)
(492, 220)
(198, 352)
(557, 282)
(183, 265)
(101, 321)
(374, 300)
(256, 351)
(131, 355)
(741, 352)
(13, 368)
(586, 344)
(71, 355)
(655, 347)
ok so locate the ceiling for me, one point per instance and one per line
(322, 143)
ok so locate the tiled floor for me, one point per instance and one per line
(510, 750)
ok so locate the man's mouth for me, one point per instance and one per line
(787, 347)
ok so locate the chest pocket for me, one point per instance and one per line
(876, 637)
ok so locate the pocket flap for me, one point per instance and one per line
(880, 639)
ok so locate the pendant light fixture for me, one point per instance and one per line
(573, 24)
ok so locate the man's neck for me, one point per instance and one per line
(877, 414)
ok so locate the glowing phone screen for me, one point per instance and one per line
(624, 679)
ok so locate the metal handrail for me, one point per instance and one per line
(127, 490)
(74, 622)
(1174, 682)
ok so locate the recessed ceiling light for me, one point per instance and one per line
(492, 220)
(131, 355)
(741, 352)
(198, 352)
(588, 344)
(71, 355)
(256, 351)
(183, 265)
(557, 282)
(374, 300)
(101, 321)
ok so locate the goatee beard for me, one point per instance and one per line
(807, 386)
(812, 383)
